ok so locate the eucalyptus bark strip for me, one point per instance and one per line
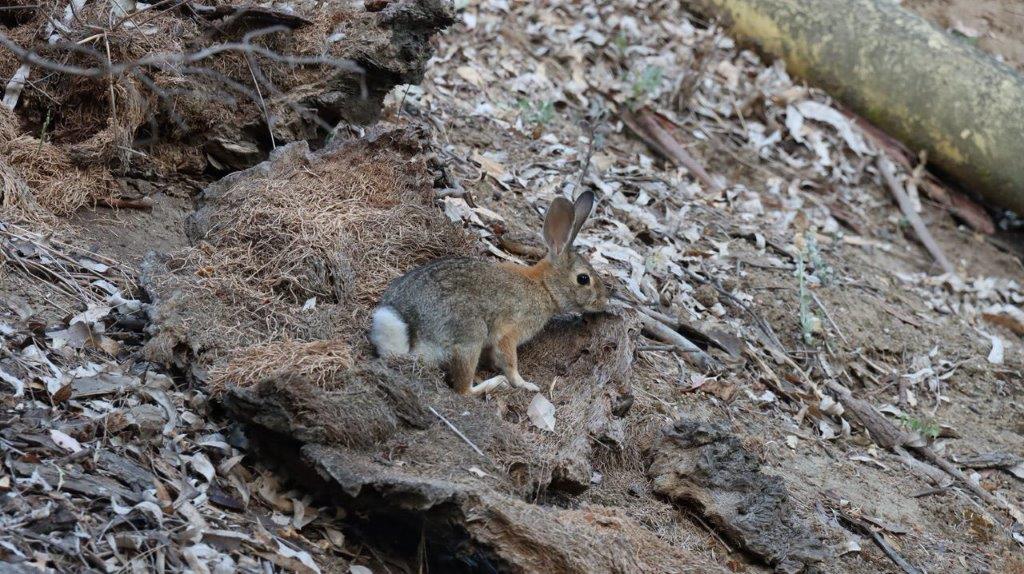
(922, 86)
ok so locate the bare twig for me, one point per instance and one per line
(650, 348)
(864, 527)
(762, 325)
(458, 432)
(976, 489)
(120, 203)
(170, 59)
(886, 168)
(829, 317)
(666, 144)
(666, 334)
(891, 552)
(887, 435)
(110, 82)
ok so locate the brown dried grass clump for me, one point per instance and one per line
(318, 362)
(337, 229)
(39, 180)
(336, 226)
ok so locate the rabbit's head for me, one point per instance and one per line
(570, 279)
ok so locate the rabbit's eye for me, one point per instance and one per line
(583, 279)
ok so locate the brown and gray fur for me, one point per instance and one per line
(451, 311)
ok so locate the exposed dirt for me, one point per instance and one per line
(996, 26)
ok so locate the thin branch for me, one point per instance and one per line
(171, 59)
(665, 333)
(888, 174)
(668, 146)
(458, 432)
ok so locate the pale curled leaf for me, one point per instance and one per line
(18, 384)
(1017, 470)
(65, 441)
(995, 356)
(92, 314)
(336, 537)
(302, 561)
(852, 544)
(542, 413)
(201, 464)
(825, 114)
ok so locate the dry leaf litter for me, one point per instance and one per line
(800, 272)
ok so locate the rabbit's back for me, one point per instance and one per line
(455, 301)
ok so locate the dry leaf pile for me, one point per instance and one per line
(787, 261)
(108, 463)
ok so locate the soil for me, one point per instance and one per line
(996, 26)
(128, 234)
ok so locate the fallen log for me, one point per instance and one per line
(917, 83)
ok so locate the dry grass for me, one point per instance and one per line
(149, 119)
(335, 226)
(339, 231)
(318, 362)
(38, 178)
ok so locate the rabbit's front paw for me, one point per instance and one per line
(519, 383)
(489, 385)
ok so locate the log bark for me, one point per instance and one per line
(703, 466)
(914, 81)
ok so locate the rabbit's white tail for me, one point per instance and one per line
(389, 333)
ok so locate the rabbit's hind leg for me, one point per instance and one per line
(505, 358)
(462, 367)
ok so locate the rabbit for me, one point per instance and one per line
(450, 311)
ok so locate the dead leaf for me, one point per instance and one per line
(94, 312)
(995, 356)
(63, 394)
(475, 471)
(963, 29)
(852, 544)
(471, 75)
(721, 389)
(64, 441)
(302, 514)
(296, 560)
(1017, 470)
(336, 537)
(201, 464)
(542, 413)
(18, 384)
(1005, 321)
(491, 167)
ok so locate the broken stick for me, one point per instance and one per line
(666, 334)
(458, 432)
(648, 128)
(885, 167)
(676, 152)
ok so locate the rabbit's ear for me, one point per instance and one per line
(558, 226)
(581, 211)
